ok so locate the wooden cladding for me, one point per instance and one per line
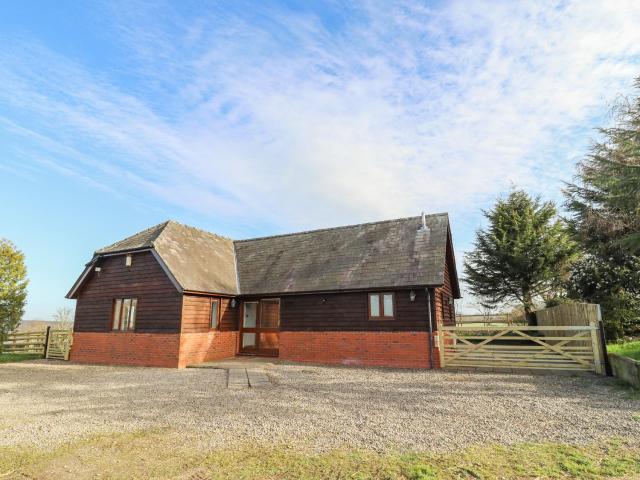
(159, 303)
(198, 310)
(349, 311)
(162, 309)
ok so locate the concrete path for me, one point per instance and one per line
(239, 378)
(240, 375)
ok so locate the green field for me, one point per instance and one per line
(144, 455)
(17, 357)
(628, 349)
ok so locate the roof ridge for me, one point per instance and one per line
(341, 227)
(200, 230)
(160, 226)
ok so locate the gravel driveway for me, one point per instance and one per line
(44, 403)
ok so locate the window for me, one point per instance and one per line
(381, 306)
(215, 314)
(124, 314)
(250, 315)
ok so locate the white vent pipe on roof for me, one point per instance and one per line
(423, 227)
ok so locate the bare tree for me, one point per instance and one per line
(63, 319)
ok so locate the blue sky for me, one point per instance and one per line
(256, 118)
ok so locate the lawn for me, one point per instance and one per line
(628, 349)
(17, 357)
(143, 454)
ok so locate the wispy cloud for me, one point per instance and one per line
(307, 118)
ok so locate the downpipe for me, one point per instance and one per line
(430, 328)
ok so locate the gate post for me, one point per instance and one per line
(595, 345)
(441, 334)
(46, 341)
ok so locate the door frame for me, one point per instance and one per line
(258, 329)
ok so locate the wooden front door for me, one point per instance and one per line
(260, 326)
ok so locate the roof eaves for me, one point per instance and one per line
(341, 290)
(78, 283)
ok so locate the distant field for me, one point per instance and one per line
(488, 320)
(34, 325)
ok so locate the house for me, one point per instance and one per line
(174, 295)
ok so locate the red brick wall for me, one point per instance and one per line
(382, 349)
(204, 347)
(142, 349)
(152, 349)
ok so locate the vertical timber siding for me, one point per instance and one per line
(196, 314)
(348, 312)
(198, 342)
(445, 312)
(159, 302)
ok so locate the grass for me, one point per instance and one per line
(17, 357)
(161, 454)
(628, 349)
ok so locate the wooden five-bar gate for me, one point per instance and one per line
(574, 347)
(50, 343)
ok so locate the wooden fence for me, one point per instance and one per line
(521, 347)
(576, 314)
(49, 343)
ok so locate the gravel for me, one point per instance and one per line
(45, 403)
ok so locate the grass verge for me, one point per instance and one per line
(17, 357)
(628, 349)
(161, 454)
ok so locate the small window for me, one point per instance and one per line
(215, 314)
(381, 306)
(124, 314)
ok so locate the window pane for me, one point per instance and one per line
(248, 340)
(214, 314)
(374, 302)
(250, 311)
(126, 306)
(388, 305)
(132, 314)
(116, 314)
(270, 314)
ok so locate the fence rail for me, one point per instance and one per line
(31, 342)
(49, 343)
(572, 347)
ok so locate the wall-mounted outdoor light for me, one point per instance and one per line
(128, 261)
(233, 303)
(412, 296)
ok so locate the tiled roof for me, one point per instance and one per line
(199, 261)
(392, 253)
